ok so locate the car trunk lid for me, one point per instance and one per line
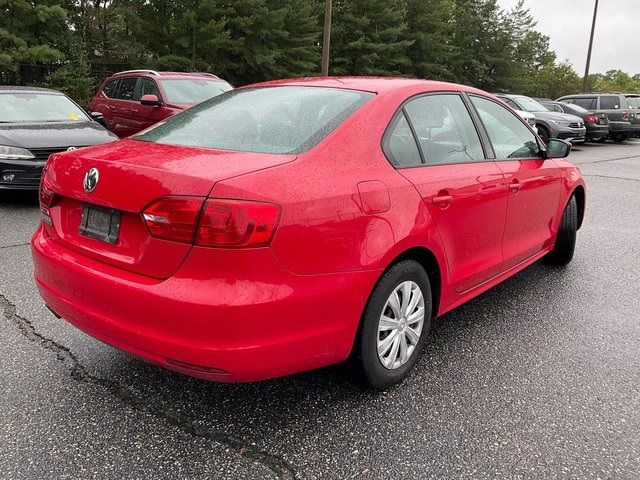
(133, 174)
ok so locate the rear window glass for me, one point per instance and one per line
(127, 87)
(610, 102)
(634, 102)
(288, 119)
(586, 102)
(110, 89)
(192, 91)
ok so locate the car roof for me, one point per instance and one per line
(20, 89)
(368, 84)
(159, 74)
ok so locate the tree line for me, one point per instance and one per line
(473, 42)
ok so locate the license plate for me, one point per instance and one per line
(100, 223)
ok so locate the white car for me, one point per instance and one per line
(528, 117)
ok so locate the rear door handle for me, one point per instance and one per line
(515, 186)
(442, 200)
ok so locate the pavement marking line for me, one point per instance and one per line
(79, 373)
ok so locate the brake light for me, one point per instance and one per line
(237, 223)
(46, 195)
(591, 119)
(173, 218)
(625, 116)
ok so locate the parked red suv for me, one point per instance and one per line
(136, 99)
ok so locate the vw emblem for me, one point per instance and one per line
(91, 180)
(71, 149)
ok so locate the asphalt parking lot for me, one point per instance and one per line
(537, 378)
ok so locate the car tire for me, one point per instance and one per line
(598, 139)
(619, 137)
(564, 248)
(543, 132)
(382, 331)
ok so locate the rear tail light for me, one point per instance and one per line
(173, 218)
(625, 116)
(47, 198)
(591, 119)
(237, 223)
(219, 223)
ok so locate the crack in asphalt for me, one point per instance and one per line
(79, 373)
(14, 245)
(611, 177)
(606, 160)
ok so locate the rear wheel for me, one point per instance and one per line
(394, 326)
(619, 137)
(563, 251)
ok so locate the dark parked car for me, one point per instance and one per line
(549, 124)
(597, 124)
(623, 121)
(34, 123)
(137, 99)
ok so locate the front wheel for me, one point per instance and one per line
(543, 133)
(565, 246)
(394, 326)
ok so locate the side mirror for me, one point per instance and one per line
(557, 148)
(98, 117)
(151, 100)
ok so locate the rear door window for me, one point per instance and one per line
(110, 90)
(127, 88)
(586, 102)
(444, 128)
(509, 136)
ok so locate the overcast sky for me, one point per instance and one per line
(568, 23)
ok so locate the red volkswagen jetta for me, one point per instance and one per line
(295, 224)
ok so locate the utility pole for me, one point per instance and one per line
(585, 81)
(326, 38)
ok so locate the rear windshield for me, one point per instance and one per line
(193, 90)
(530, 105)
(39, 107)
(574, 109)
(288, 119)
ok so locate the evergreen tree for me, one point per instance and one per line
(429, 29)
(368, 38)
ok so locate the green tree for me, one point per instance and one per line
(429, 30)
(368, 38)
(554, 80)
(74, 78)
(31, 33)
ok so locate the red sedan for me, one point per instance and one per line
(295, 224)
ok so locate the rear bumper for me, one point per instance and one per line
(596, 131)
(25, 174)
(620, 127)
(226, 315)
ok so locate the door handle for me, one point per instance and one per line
(135, 110)
(442, 200)
(515, 186)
